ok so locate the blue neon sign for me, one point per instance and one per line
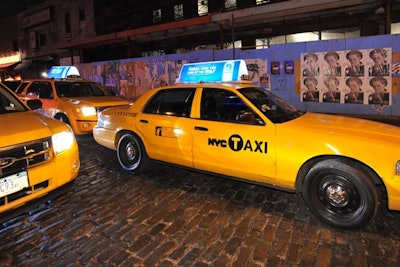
(214, 71)
(61, 72)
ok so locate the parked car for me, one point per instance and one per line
(239, 130)
(37, 154)
(75, 101)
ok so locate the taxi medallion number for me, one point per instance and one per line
(13, 183)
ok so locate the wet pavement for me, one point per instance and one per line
(175, 217)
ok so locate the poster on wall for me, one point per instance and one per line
(289, 67)
(275, 68)
(257, 69)
(131, 79)
(350, 76)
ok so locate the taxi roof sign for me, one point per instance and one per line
(213, 71)
(61, 72)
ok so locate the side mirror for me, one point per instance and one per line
(34, 104)
(245, 116)
(249, 117)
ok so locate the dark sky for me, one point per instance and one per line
(13, 7)
(10, 7)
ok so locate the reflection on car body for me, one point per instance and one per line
(239, 130)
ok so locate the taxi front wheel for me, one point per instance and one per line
(131, 153)
(340, 194)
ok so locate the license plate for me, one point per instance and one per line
(13, 183)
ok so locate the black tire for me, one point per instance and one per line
(131, 153)
(340, 194)
(63, 118)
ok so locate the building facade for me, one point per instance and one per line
(133, 46)
(53, 32)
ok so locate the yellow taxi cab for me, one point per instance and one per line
(239, 130)
(70, 98)
(37, 154)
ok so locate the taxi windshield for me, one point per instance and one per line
(9, 103)
(274, 108)
(80, 89)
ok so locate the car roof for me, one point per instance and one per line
(231, 85)
(75, 79)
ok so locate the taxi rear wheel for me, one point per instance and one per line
(340, 194)
(131, 153)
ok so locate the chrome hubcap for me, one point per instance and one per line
(336, 195)
(130, 151)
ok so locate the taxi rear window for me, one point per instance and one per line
(172, 102)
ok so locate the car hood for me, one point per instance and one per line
(26, 126)
(336, 125)
(98, 101)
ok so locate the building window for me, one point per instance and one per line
(42, 39)
(202, 7)
(81, 15)
(230, 4)
(262, 2)
(178, 12)
(33, 40)
(68, 24)
(157, 16)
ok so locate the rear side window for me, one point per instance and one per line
(13, 85)
(21, 87)
(171, 102)
(41, 90)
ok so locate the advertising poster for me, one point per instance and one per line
(275, 68)
(289, 67)
(347, 77)
(257, 69)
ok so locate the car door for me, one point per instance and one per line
(165, 125)
(231, 139)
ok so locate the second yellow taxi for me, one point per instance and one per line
(73, 100)
(239, 130)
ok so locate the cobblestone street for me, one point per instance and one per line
(175, 217)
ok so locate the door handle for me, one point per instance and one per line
(199, 128)
(144, 121)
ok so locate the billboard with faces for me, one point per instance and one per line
(347, 77)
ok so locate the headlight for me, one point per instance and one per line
(397, 170)
(87, 111)
(62, 141)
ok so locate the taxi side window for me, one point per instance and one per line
(21, 87)
(171, 102)
(226, 106)
(41, 90)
